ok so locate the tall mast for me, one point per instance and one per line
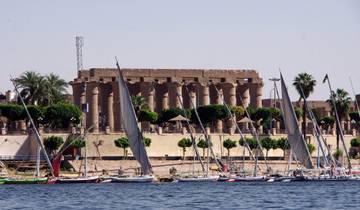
(38, 138)
(237, 126)
(337, 118)
(191, 135)
(209, 149)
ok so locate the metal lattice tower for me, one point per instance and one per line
(79, 45)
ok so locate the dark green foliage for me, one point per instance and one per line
(123, 143)
(148, 116)
(268, 143)
(229, 144)
(168, 114)
(251, 142)
(36, 113)
(42, 90)
(283, 144)
(13, 112)
(78, 143)
(52, 143)
(139, 105)
(354, 116)
(327, 121)
(147, 142)
(210, 113)
(298, 112)
(238, 111)
(338, 153)
(62, 115)
(183, 143)
(203, 145)
(311, 148)
(355, 142)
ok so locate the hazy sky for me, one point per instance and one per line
(317, 37)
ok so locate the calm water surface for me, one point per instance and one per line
(301, 195)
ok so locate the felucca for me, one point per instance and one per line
(136, 139)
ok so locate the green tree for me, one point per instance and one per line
(12, 112)
(32, 87)
(327, 122)
(355, 142)
(78, 143)
(342, 103)
(55, 89)
(354, 116)
(304, 84)
(253, 144)
(311, 148)
(148, 116)
(52, 143)
(123, 143)
(147, 142)
(139, 104)
(62, 115)
(228, 144)
(184, 143)
(268, 143)
(203, 145)
(283, 144)
(218, 112)
(36, 113)
(238, 111)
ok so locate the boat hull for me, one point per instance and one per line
(78, 180)
(199, 179)
(132, 179)
(26, 181)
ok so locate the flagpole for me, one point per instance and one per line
(337, 118)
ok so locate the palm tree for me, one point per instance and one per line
(304, 84)
(55, 88)
(32, 86)
(342, 103)
(139, 104)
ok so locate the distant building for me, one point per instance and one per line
(98, 89)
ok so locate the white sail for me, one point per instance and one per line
(295, 138)
(129, 119)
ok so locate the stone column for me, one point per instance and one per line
(83, 104)
(232, 102)
(245, 97)
(178, 92)
(116, 107)
(259, 96)
(219, 123)
(193, 96)
(205, 95)
(110, 111)
(94, 107)
(147, 90)
(165, 100)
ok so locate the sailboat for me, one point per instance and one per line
(36, 179)
(136, 139)
(72, 180)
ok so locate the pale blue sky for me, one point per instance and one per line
(314, 36)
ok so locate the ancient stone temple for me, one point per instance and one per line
(97, 89)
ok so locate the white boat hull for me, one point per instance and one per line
(199, 179)
(90, 179)
(132, 179)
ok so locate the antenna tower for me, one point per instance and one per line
(79, 45)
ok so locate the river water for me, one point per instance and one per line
(217, 195)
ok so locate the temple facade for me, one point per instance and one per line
(97, 90)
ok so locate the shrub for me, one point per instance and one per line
(311, 148)
(167, 114)
(203, 145)
(13, 112)
(123, 143)
(147, 142)
(229, 144)
(327, 121)
(52, 143)
(210, 113)
(355, 142)
(148, 116)
(78, 143)
(183, 143)
(283, 144)
(268, 143)
(238, 111)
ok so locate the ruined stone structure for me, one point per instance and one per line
(98, 88)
